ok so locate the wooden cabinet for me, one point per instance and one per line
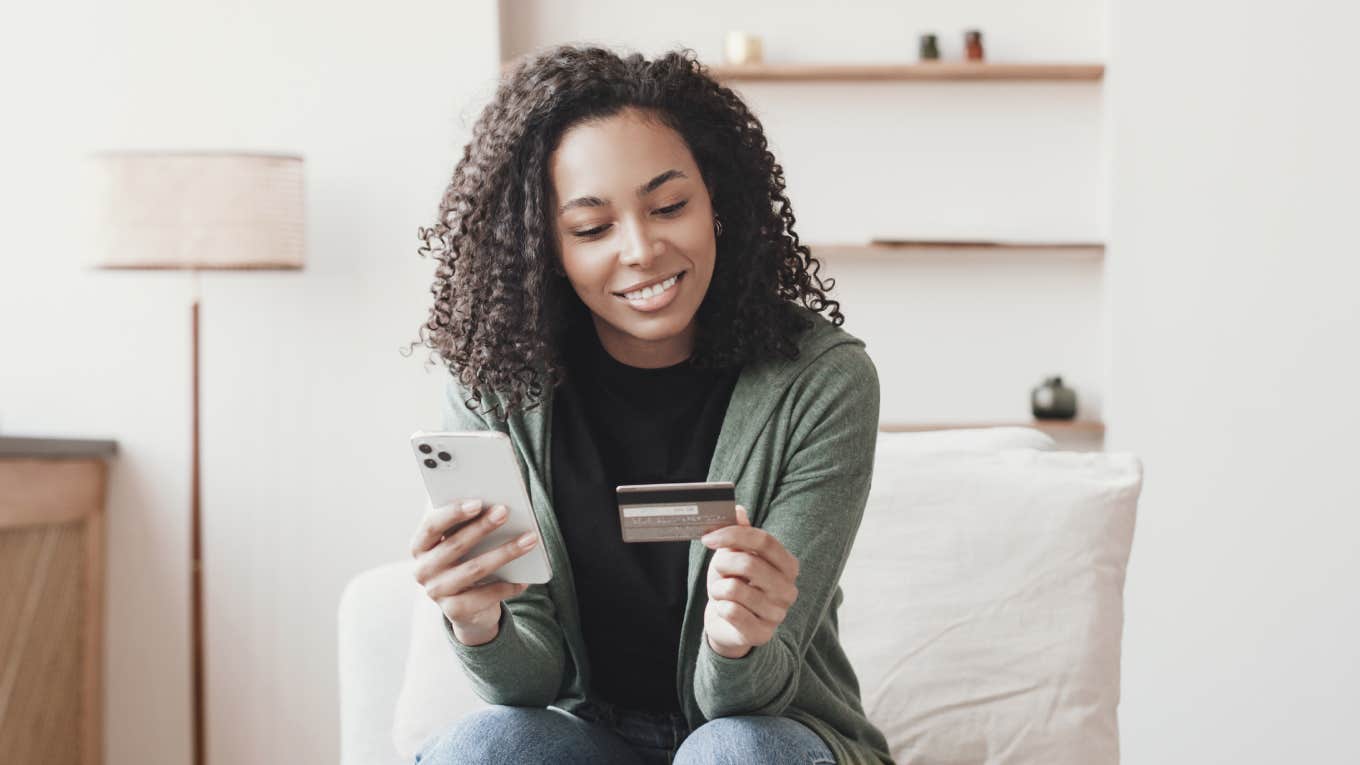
(51, 599)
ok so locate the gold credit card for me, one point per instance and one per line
(672, 512)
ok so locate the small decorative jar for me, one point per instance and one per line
(930, 48)
(1053, 401)
(972, 43)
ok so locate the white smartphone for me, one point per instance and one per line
(482, 465)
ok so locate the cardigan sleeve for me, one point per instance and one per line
(524, 664)
(815, 512)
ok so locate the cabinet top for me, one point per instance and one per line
(55, 448)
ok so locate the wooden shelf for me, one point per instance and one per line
(1067, 427)
(938, 71)
(887, 247)
(925, 71)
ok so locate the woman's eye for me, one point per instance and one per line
(666, 211)
(590, 232)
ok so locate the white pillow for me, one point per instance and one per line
(984, 603)
(435, 693)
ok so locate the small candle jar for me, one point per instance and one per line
(743, 48)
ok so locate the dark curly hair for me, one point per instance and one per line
(501, 303)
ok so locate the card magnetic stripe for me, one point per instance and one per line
(656, 497)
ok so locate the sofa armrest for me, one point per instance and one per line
(374, 634)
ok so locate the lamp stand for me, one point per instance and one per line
(196, 561)
(199, 211)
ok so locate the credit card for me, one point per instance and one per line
(674, 512)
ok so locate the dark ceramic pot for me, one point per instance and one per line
(1053, 401)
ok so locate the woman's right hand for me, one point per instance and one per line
(474, 612)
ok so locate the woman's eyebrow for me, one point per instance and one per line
(642, 191)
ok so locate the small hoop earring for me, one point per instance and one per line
(717, 226)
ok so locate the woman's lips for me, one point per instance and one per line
(658, 301)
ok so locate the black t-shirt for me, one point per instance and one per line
(618, 424)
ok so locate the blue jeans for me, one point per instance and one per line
(601, 734)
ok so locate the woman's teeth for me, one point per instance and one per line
(655, 289)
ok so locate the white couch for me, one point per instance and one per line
(983, 610)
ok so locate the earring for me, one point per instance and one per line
(717, 226)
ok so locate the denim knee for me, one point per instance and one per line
(486, 735)
(753, 740)
(505, 734)
(467, 740)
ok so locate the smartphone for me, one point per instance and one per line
(482, 465)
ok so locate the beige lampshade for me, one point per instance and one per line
(223, 210)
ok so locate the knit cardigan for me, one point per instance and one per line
(798, 442)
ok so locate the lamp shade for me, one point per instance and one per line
(163, 210)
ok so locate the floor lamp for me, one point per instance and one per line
(196, 211)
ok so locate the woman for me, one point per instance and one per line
(620, 290)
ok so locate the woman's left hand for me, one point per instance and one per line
(750, 587)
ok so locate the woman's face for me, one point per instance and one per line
(635, 229)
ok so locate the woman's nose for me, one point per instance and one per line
(639, 249)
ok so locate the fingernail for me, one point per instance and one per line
(472, 505)
(526, 540)
(498, 513)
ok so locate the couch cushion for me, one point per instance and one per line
(984, 602)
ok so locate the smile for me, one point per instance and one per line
(654, 297)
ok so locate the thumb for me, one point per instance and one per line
(742, 518)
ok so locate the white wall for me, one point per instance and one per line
(1233, 275)
(956, 338)
(307, 403)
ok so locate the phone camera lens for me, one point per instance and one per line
(445, 456)
(425, 449)
(431, 463)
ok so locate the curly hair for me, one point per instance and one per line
(502, 305)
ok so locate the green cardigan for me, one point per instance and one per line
(798, 441)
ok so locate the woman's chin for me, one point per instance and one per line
(651, 327)
(658, 328)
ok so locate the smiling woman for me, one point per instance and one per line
(620, 290)
(607, 171)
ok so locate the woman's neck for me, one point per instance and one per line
(645, 354)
